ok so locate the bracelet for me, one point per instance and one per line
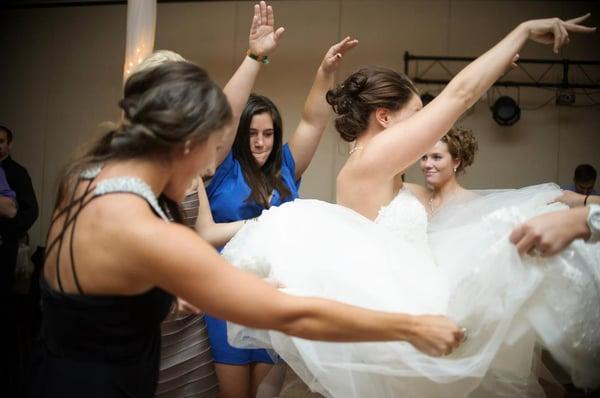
(585, 200)
(262, 59)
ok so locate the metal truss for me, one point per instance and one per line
(534, 81)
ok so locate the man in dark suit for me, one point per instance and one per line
(15, 228)
(12, 230)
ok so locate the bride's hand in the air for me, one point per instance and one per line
(555, 31)
(436, 335)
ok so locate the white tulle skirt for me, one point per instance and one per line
(469, 271)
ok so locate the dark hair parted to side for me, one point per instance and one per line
(163, 108)
(585, 173)
(462, 145)
(262, 180)
(362, 93)
(9, 133)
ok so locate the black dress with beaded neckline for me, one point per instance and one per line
(99, 345)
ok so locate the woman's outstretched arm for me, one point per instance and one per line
(187, 266)
(574, 199)
(403, 143)
(549, 233)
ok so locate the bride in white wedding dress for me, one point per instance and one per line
(372, 249)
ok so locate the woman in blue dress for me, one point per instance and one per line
(258, 173)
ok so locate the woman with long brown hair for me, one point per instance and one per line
(261, 172)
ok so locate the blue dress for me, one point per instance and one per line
(228, 192)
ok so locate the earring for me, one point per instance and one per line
(186, 149)
(456, 168)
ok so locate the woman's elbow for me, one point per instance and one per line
(461, 94)
(465, 98)
(293, 318)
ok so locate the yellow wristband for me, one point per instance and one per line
(262, 59)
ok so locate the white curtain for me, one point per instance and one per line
(141, 25)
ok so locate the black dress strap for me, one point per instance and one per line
(59, 239)
(113, 185)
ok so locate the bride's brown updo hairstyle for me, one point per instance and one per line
(362, 93)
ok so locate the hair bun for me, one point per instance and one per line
(344, 96)
(362, 93)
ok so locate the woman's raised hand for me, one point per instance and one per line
(334, 55)
(556, 31)
(263, 36)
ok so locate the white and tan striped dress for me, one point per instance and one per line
(186, 362)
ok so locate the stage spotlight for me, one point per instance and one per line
(505, 111)
(565, 98)
(427, 98)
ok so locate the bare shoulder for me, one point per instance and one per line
(165, 250)
(116, 237)
(129, 226)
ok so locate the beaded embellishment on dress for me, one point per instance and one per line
(133, 185)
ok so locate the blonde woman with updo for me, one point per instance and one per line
(373, 248)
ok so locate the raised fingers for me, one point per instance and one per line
(255, 19)
(278, 33)
(565, 35)
(347, 46)
(343, 46)
(270, 16)
(573, 25)
(557, 35)
(263, 13)
(579, 29)
(578, 20)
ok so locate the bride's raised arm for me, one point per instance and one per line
(403, 143)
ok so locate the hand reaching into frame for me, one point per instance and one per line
(333, 57)
(549, 233)
(556, 31)
(263, 36)
(436, 335)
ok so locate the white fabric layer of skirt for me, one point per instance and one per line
(468, 271)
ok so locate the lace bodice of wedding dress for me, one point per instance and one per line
(406, 217)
